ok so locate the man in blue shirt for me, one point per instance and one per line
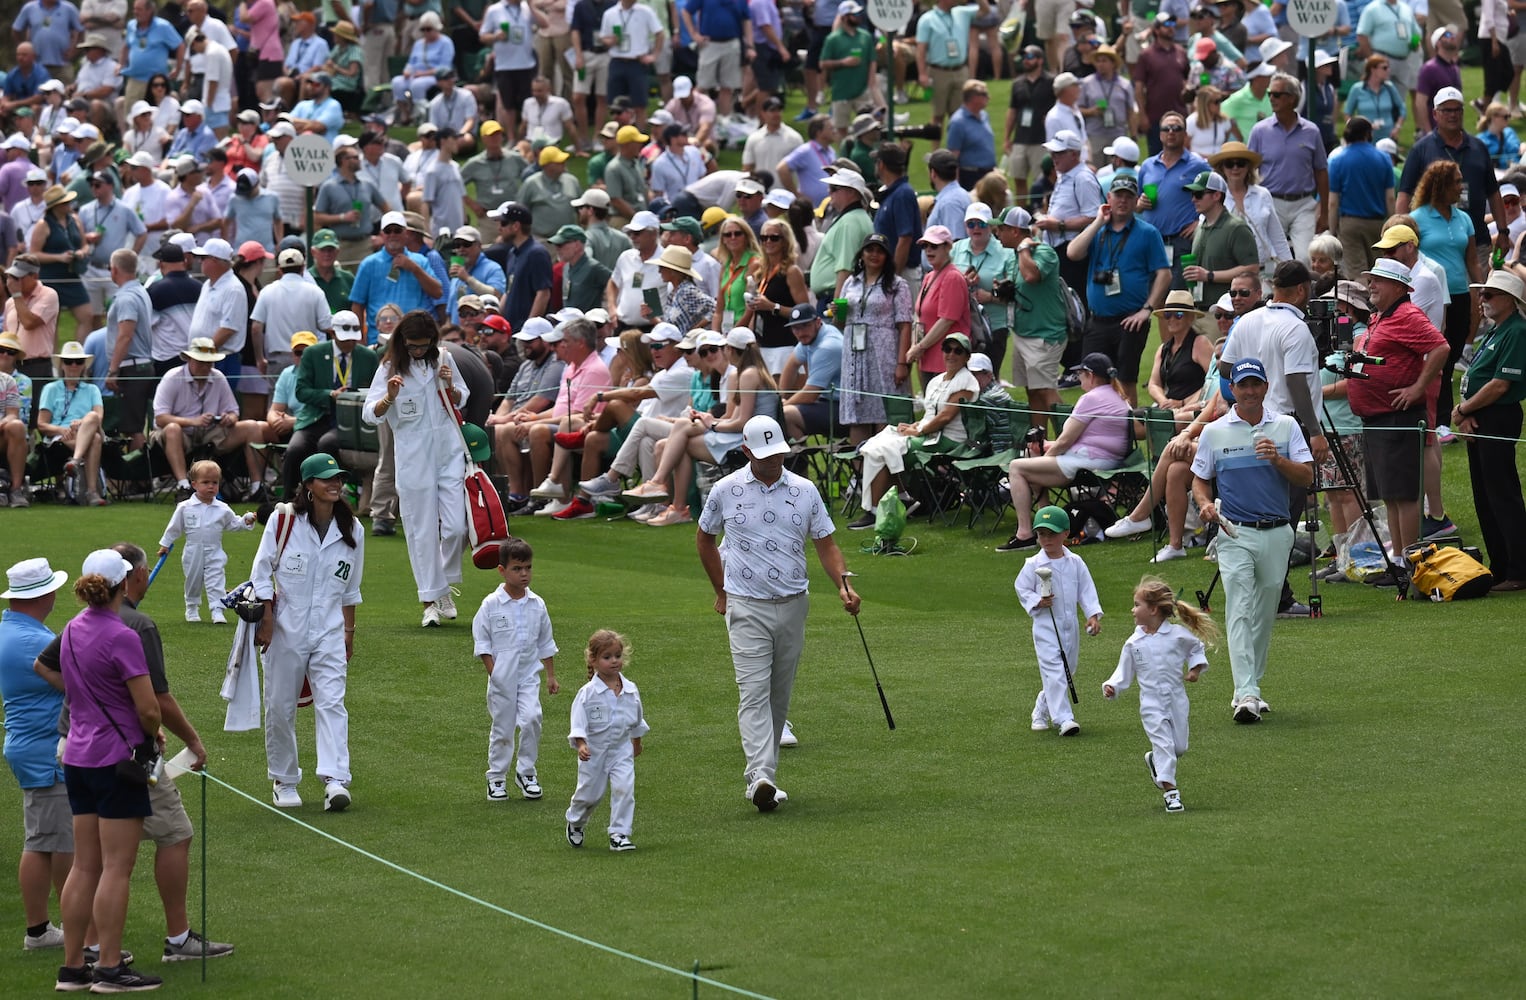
(194, 139)
(943, 53)
(812, 372)
(151, 44)
(528, 272)
(477, 274)
(54, 28)
(970, 135)
(722, 31)
(1361, 194)
(1129, 277)
(393, 275)
(899, 217)
(1167, 173)
(319, 113)
(22, 82)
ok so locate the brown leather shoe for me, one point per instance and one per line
(1508, 587)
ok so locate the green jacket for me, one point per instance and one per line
(315, 380)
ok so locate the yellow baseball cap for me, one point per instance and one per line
(714, 216)
(305, 338)
(491, 128)
(630, 133)
(1396, 236)
(552, 154)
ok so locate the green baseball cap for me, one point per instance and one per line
(325, 238)
(685, 224)
(477, 442)
(320, 466)
(1051, 517)
(567, 234)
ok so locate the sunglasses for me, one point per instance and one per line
(471, 312)
(1240, 293)
(393, 230)
(1173, 128)
(732, 235)
(1198, 194)
(347, 328)
(1487, 293)
(974, 224)
(1236, 164)
(1174, 314)
(419, 345)
(771, 238)
(70, 362)
(705, 352)
(37, 183)
(1279, 93)
(951, 348)
(10, 353)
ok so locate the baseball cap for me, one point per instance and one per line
(291, 258)
(1124, 148)
(1395, 236)
(936, 236)
(779, 198)
(169, 253)
(1017, 218)
(980, 362)
(320, 466)
(394, 219)
(1225, 304)
(1247, 368)
(801, 314)
(534, 328)
(552, 154)
(217, 249)
(282, 130)
(1203, 48)
(687, 224)
(1123, 180)
(468, 234)
(662, 333)
(642, 221)
(978, 211)
(1447, 95)
(142, 158)
(252, 250)
(740, 337)
(630, 133)
(593, 197)
(1263, 70)
(511, 211)
(304, 338)
(567, 234)
(1065, 80)
(849, 179)
(1064, 139)
(1444, 33)
(1052, 518)
(193, 107)
(682, 87)
(325, 239)
(763, 437)
(749, 186)
(16, 141)
(140, 108)
(1207, 181)
(1097, 363)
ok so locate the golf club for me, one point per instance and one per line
(157, 567)
(889, 720)
(1046, 589)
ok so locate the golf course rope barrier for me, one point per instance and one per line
(689, 975)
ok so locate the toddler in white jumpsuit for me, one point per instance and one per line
(201, 521)
(511, 634)
(1054, 623)
(429, 457)
(607, 726)
(1154, 656)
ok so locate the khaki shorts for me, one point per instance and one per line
(948, 90)
(195, 437)
(169, 825)
(100, 287)
(1051, 18)
(47, 820)
(1036, 363)
(842, 114)
(1404, 73)
(1023, 161)
(595, 74)
(720, 65)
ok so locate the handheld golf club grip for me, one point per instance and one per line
(884, 703)
(158, 566)
(1227, 527)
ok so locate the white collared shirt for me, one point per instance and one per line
(766, 530)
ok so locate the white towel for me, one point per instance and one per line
(241, 683)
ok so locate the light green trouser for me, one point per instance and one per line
(1253, 565)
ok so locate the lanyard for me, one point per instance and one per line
(733, 272)
(1103, 241)
(342, 362)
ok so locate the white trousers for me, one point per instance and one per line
(1165, 723)
(1297, 218)
(418, 86)
(511, 705)
(886, 450)
(767, 639)
(325, 670)
(1053, 703)
(203, 566)
(639, 449)
(611, 767)
(434, 520)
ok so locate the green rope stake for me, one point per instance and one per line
(696, 979)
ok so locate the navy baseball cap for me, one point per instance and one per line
(1247, 368)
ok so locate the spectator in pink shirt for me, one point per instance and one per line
(264, 44)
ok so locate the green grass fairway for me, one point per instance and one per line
(1352, 845)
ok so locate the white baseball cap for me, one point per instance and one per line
(193, 107)
(642, 221)
(1446, 95)
(140, 108)
(1124, 148)
(682, 86)
(534, 328)
(394, 219)
(763, 437)
(218, 249)
(1064, 140)
(779, 198)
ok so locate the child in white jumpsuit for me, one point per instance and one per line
(1154, 655)
(511, 633)
(1054, 617)
(314, 582)
(607, 726)
(201, 521)
(429, 456)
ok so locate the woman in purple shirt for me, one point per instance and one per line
(112, 706)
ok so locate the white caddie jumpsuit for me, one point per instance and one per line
(608, 722)
(430, 471)
(1157, 662)
(517, 634)
(315, 580)
(1073, 586)
(202, 557)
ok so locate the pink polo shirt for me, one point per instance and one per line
(586, 380)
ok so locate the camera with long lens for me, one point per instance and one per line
(1004, 290)
(1351, 363)
(932, 131)
(1332, 331)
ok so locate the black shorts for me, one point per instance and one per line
(1124, 347)
(1393, 452)
(97, 791)
(269, 69)
(768, 69)
(135, 387)
(817, 417)
(513, 86)
(818, 37)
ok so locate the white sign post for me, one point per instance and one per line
(891, 16)
(309, 160)
(1312, 19)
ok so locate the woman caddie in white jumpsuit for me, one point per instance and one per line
(1073, 585)
(1157, 661)
(430, 463)
(202, 556)
(312, 584)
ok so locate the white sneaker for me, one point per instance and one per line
(1247, 711)
(619, 842)
(600, 486)
(1070, 728)
(52, 937)
(497, 789)
(446, 602)
(1169, 552)
(529, 785)
(431, 616)
(193, 615)
(1039, 725)
(763, 794)
(574, 835)
(1127, 527)
(1174, 801)
(285, 796)
(550, 490)
(647, 512)
(218, 619)
(336, 797)
(788, 738)
(554, 507)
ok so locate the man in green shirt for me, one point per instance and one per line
(583, 278)
(625, 175)
(863, 140)
(598, 161)
(1224, 244)
(1248, 105)
(1038, 304)
(549, 194)
(334, 280)
(839, 247)
(847, 57)
(605, 244)
(492, 176)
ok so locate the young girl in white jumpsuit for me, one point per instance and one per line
(511, 634)
(313, 581)
(429, 456)
(201, 521)
(607, 726)
(1154, 655)
(1054, 618)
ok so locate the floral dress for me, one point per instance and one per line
(869, 362)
